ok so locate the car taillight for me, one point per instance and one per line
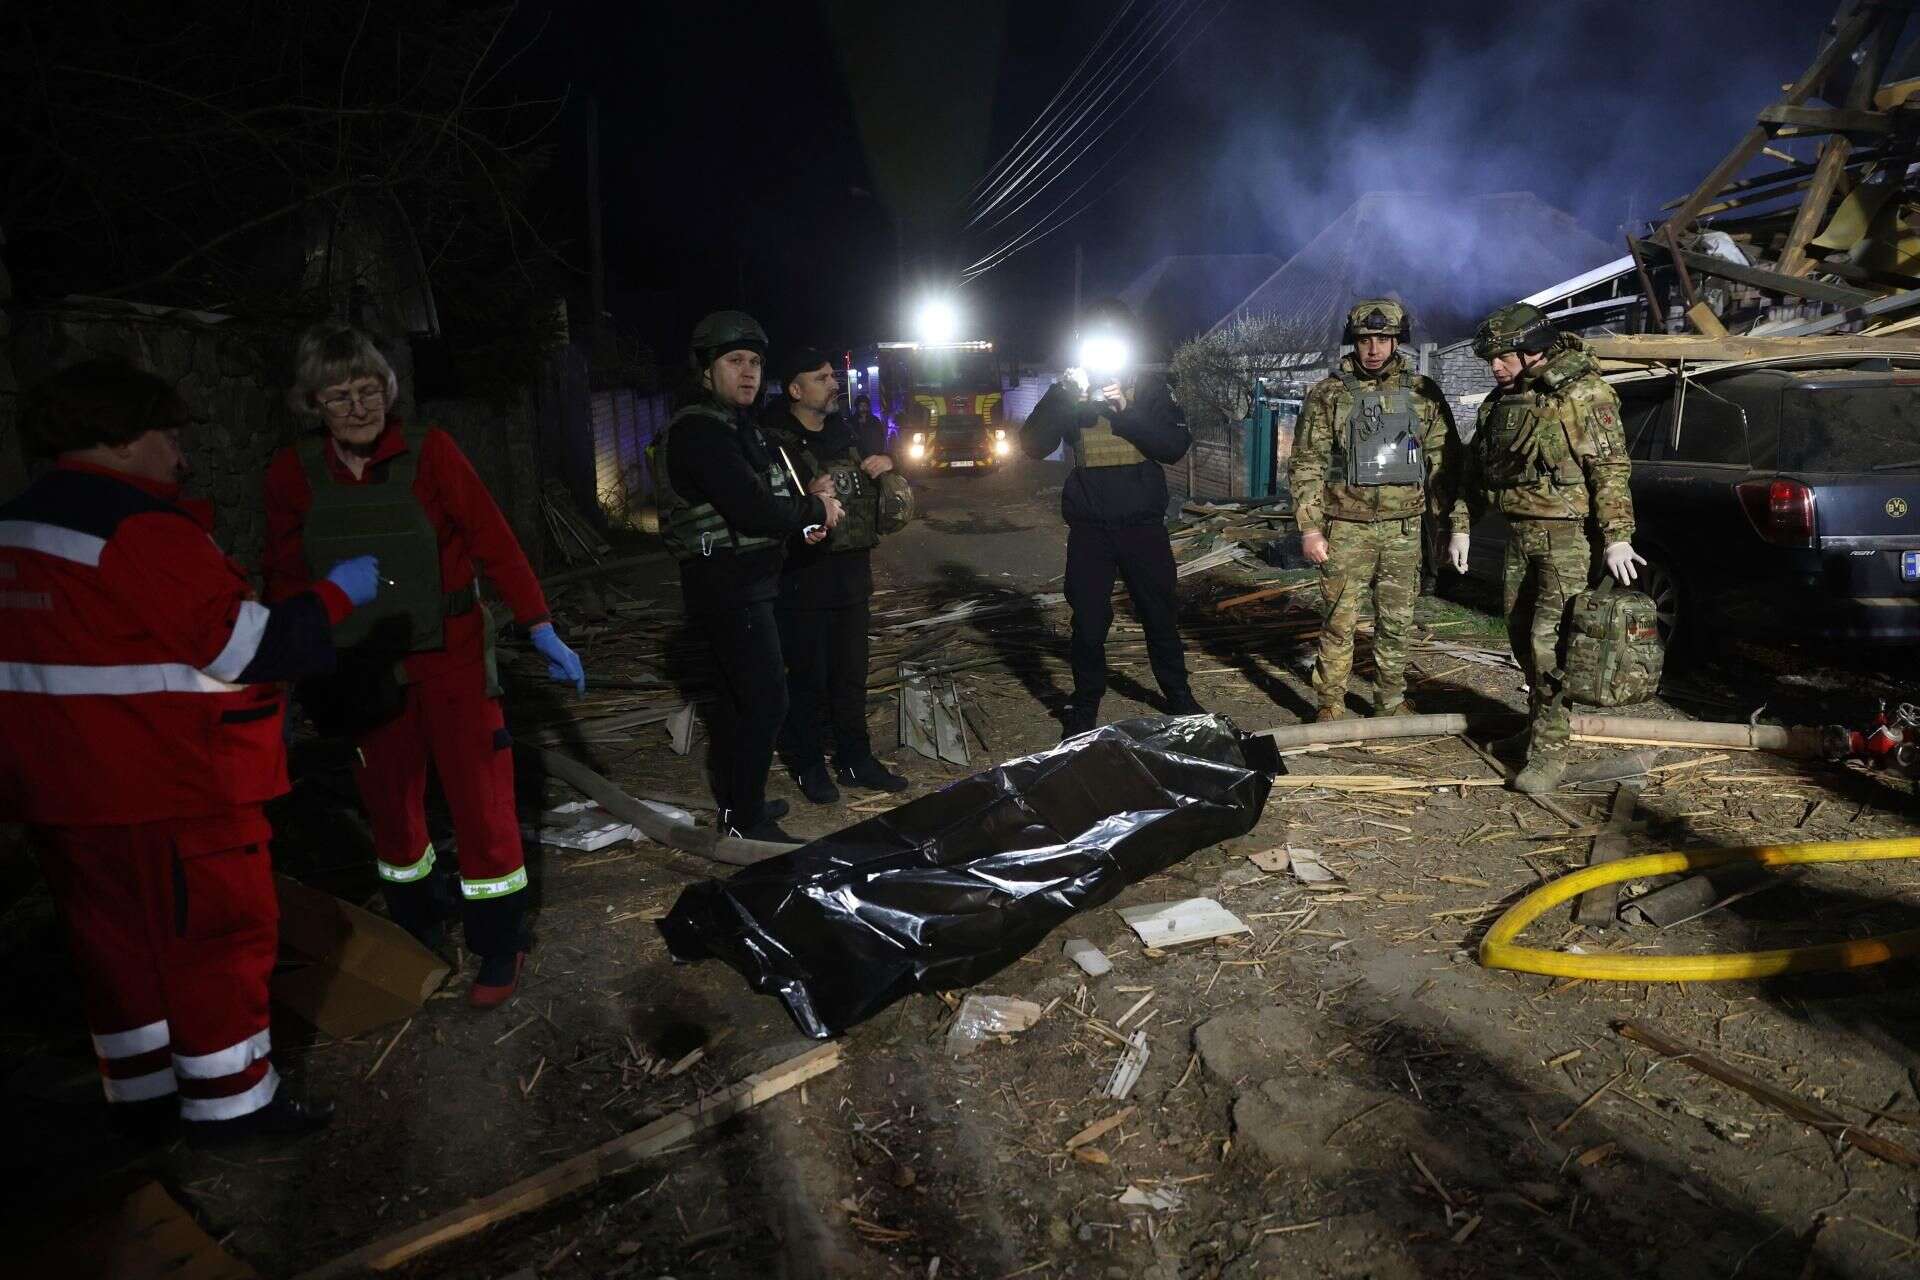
(1781, 510)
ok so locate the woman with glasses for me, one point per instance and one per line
(416, 683)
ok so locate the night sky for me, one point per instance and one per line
(811, 161)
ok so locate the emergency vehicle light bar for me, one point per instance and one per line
(936, 346)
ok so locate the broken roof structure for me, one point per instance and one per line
(1450, 258)
(1759, 264)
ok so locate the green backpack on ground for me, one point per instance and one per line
(1614, 655)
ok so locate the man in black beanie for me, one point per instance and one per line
(826, 587)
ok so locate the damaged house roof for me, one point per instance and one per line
(1182, 295)
(1451, 259)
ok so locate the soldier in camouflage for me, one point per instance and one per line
(1375, 447)
(1549, 453)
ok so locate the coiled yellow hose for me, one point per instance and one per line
(1497, 949)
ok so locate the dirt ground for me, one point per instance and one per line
(1341, 1092)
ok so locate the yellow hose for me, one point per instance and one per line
(1497, 949)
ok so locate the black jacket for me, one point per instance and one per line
(708, 461)
(1111, 496)
(814, 577)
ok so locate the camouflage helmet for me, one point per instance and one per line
(724, 331)
(1520, 326)
(1381, 316)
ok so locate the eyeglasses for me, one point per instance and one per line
(341, 405)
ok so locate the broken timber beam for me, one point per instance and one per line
(1826, 119)
(653, 824)
(1597, 907)
(1655, 347)
(611, 1157)
(1800, 1109)
(1762, 278)
(1813, 207)
(1844, 42)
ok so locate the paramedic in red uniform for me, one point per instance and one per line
(417, 673)
(141, 716)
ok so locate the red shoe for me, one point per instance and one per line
(497, 980)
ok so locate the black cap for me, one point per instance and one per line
(795, 362)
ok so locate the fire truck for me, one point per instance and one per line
(947, 403)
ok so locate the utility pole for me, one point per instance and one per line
(597, 266)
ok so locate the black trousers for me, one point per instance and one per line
(750, 687)
(1142, 557)
(826, 653)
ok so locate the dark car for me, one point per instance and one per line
(1773, 501)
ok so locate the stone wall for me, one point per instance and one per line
(234, 377)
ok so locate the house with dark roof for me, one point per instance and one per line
(1182, 295)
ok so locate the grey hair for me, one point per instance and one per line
(330, 354)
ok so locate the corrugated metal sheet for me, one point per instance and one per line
(624, 424)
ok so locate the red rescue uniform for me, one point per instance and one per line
(140, 734)
(448, 717)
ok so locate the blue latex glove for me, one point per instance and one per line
(358, 577)
(563, 664)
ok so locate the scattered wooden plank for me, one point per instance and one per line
(1702, 317)
(583, 1170)
(1100, 1128)
(1168, 924)
(1808, 1113)
(1598, 908)
(1803, 339)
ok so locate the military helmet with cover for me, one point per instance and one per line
(1519, 326)
(1378, 316)
(722, 331)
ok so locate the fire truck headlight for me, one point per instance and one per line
(1000, 446)
(939, 321)
(916, 450)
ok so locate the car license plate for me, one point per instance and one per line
(1910, 566)
(961, 462)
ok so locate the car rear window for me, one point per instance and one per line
(1850, 429)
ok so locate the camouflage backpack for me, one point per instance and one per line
(896, 502)
(1614, 656)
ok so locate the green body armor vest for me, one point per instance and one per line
(1377, 434)
(1527, 448)
(695, 529)
(384, 519)
(1098, 446)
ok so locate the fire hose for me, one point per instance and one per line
(1499, 951)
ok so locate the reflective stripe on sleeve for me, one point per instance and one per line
(61, 681)
(235, 1105)
(418, 870)
(224, 1062)
(128, 1044)
(243, 644)
(52, 540)
(498, 888)
(155, 1084)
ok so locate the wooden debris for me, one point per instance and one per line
(1808, 1113)
(1168, 924)
(1597, 908)
(583, 1170)
(1126, 1072)
(1100, 1128)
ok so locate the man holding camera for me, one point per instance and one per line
(1375, 447)
(1122, 427)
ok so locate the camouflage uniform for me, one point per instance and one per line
(1372, 530)
(1551, 456)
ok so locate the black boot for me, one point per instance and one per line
(282, 1118)
(416, 906)
(814, 784)
(872, 775)
(1184, 704)
(767, 828)
(1078, 718)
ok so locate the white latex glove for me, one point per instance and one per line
(1621, 557)
(1457, 551)
(1314, 547)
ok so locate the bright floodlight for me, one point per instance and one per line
(1104, 353)
(939, 321)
